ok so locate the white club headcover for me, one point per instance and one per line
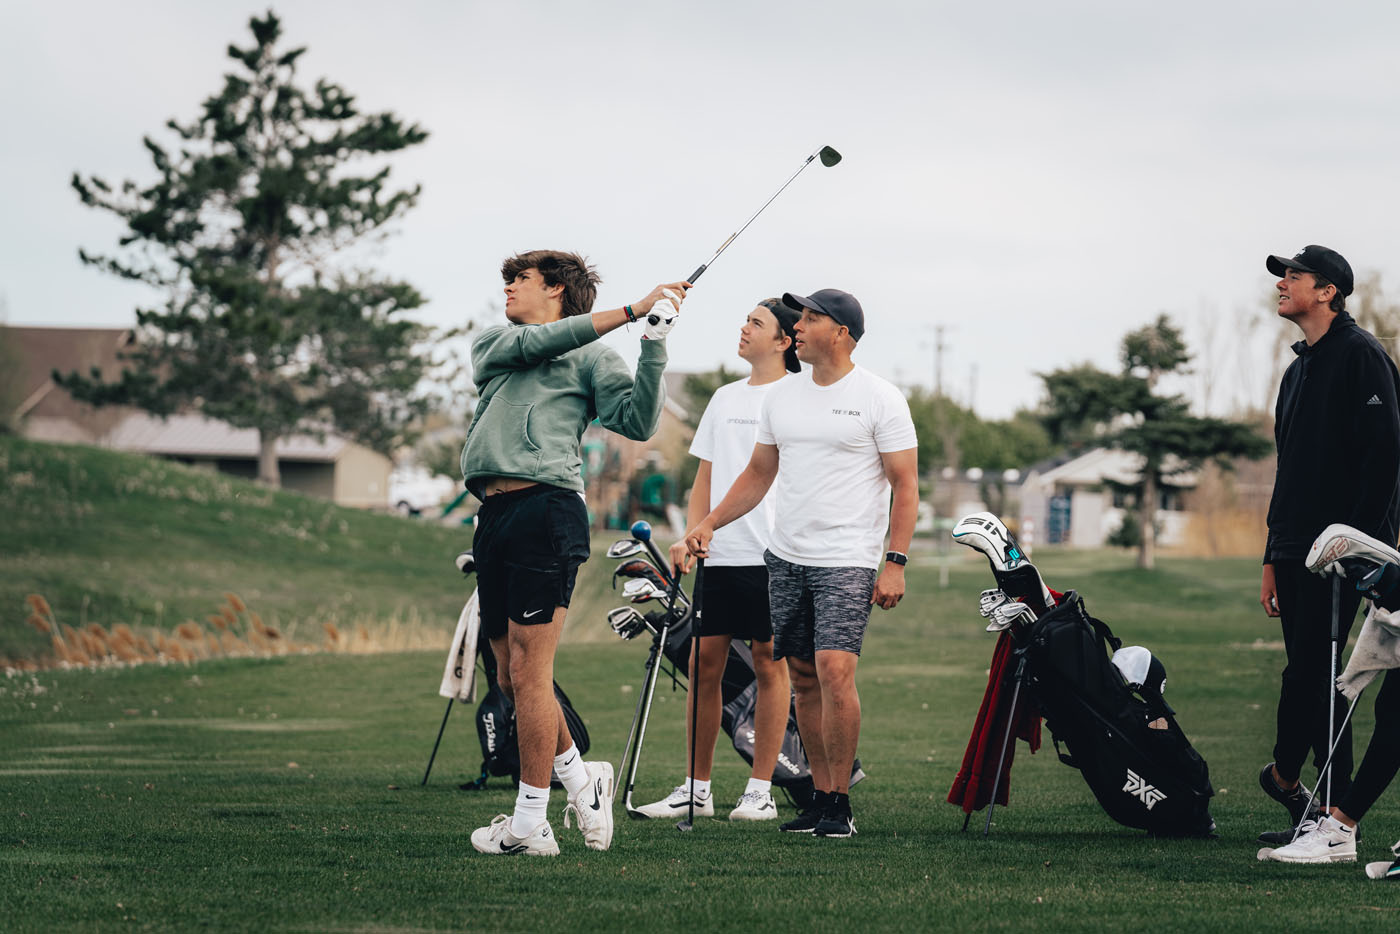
(989, 535)
(1133, 662)
(1339, 541)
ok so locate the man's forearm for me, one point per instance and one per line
(904, 512)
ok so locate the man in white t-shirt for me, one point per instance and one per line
(735, 587)
(837, 440)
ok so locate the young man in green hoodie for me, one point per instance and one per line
(541, 379)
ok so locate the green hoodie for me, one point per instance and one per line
(540, 385)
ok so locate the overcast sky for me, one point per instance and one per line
(1035, 178)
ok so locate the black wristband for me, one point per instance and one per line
(898, 557)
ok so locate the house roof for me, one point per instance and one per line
(1122, 467)
(40, 351)
(195, 435)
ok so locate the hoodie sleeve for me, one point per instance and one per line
(1374, 472)
(500, 350)
(631, 407)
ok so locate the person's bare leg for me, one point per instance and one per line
(836, 672)
(539, 722)
(713, 656)
(808, 693)
(771, 710)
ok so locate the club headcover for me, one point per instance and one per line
(989, 535)
(1144, 673)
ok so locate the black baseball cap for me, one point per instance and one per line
(1318, 260)
(787, 317)
(839, 306)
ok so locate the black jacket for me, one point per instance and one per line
(1337, 427)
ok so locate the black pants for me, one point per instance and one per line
(1382, 760)
(1305, 615)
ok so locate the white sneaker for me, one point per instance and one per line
(496, 839)
(1386, 870)
(677, 804)
(1330, 841)
(755, 805)
(594, 806)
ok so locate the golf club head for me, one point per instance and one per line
(641, 530)
(639, 589)
(638, 568)
(829, 156)
(626, 622)
(625, 548)
(685, 826)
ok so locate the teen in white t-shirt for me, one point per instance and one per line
(735, 583)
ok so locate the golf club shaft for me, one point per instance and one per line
(445, 714)
(1332, 681)
(639, 719)
(725, 245)
(1327, 766)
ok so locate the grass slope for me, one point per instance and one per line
(255, 795)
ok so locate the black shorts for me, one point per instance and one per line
(736, 603)
(528, 547)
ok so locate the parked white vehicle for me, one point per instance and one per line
(414, 489)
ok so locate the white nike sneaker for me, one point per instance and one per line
(497, 840)
(755, 805)
(1330, 841)
(677, 804)
(1339, 541)
(1386, 870)
(593, 807)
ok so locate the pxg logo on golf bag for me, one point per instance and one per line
(1144, 792)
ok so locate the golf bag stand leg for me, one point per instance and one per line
(447, 713)
(1005, 742)
(1332, 685)
(632, 755)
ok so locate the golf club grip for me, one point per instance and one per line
(697, 273)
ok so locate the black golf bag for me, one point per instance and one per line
(1144, 777)
(739, 695)
(495, 726)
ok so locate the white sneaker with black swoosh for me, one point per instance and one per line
(593, 807)
(1330, 841)
(755, 805)
(495, 839)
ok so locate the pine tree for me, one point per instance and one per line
(267, 323)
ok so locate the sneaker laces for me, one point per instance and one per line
(756, 798)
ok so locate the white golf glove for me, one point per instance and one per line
(989, 601)
(662, 317)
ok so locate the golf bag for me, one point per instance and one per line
(495, 726)
(739, 695)
(1145, 776)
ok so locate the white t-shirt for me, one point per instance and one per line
(833, 500)
(725, 438)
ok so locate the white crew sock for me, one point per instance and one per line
(573, 774)
(531, 804)
(699, 790)
(758, 784)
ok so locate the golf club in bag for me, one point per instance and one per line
(669, 623)
(1101, 701)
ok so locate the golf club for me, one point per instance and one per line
(624, 548)
(1326, 767)
(693, 689)
(1332, 684)
(828, 157)
(641, 531)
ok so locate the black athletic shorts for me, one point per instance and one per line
(736, 603)
(528, 547)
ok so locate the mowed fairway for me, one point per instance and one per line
(284, 794)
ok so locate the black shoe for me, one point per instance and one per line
(836, 822)
(1296, 799)
(806, 821)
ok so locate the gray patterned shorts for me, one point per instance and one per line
(815, 608)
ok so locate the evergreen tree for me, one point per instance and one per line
(1087, 405)
(267, 324)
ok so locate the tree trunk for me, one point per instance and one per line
(268, 474)
(1147, 519)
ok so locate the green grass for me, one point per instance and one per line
(165, 798)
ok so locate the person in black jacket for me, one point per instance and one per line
(1337, 427)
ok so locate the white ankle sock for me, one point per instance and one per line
(573, 774)
(757, 784)
(531, 805)
(698, 789)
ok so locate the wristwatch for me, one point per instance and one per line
(898, 557)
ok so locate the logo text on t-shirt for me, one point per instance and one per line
(737, 420)
(845, 411)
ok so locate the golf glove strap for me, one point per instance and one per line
(662, 317)
(989, 601)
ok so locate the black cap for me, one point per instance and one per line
(839, 306)
(1318, 260)
(787, 317)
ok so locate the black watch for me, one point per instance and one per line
(898, 557)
